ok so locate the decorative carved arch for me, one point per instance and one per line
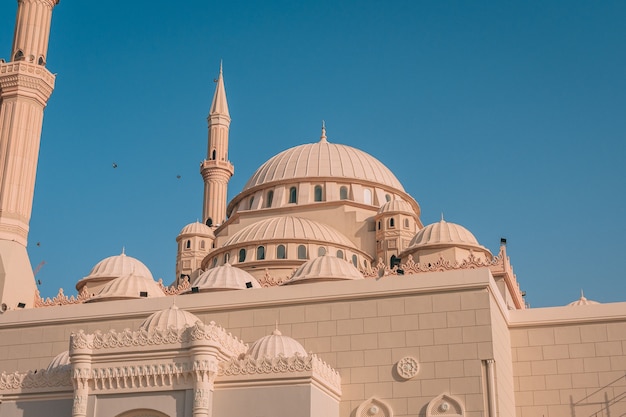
(374, 407)
(445, 405)
(144, 412)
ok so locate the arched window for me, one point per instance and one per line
(213, 155)
(387, 197)
(209, 222)
(19, 55)
(214, 263)
(367, 196)
(269, 198)
(394, 261)
(202, 244)
(188, 244)
(343, 193)
(251, 203)
(41, 61)
(378, 225)
(321, 251)
(260, 253)
(340, 254)
(318, 193)
(406, 223)
(392, 223)
(301, 252)
(226, 258)
(365, 263)
(281, 253)
(355, 261)
(293, 195)
(242, 255)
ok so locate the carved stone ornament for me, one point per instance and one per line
(374, 407)
(407, 367)
(80, 405)
(445, 405)
(201, 398)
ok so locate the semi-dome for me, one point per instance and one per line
(324, 268)
(60, 362)
(114, 267)
(288, 227)
(170, 317)
(323, 159)
(225, 277)
(444, 233)
(396, 206)
(128, 286)
(197, 229)
(275, 345)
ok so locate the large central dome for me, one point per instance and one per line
(323, 159)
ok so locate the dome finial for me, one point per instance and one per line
(123, 250)
(276, 332)
(442, 219)
(323, 137)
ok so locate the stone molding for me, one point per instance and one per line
(16, 381)
(282, 365)
(18, 75)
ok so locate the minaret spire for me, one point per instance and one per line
(25, 87)
(216, 169)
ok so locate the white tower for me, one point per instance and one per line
(25, 86)
(216, 169)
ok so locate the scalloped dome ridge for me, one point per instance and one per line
(444, 233)
(324, 268)
(128, 286)
(396, 206)
(169, 317)
(323, 159)
(275, 345)
(225, 277)
(197, 229)
(60, 362)
(288, 227)
(118, 265)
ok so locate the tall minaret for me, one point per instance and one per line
(216, 170)
(25, 86)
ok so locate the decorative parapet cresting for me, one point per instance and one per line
(282, 364)
(42, 378)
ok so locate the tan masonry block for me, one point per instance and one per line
(534, 353)
(390, 307)
(377, 324)
(449, 336)
(523, 398)
(616, 331)
(364, 341)
(251, 334)
(532, 383)
(617, 362)
(345, 408)
(340, 343)
(378, 357)
(594, 333)
(266, 317)
(463, 351)
(534, 411)
(485, 350)
(420, 337)
(475, 300)
(446, 302)
(317, 313)
(427, 370)
(449, 369)
(566, 335)
(483, 317)
(353, 326)
(41, 350)
(350, 359)
(559, 381)
(582, 350)
(409, 322)
(398, 405)
(303, 330)
(317, 344)
(361, 309)
(476, 334)
(556, 352)
(340, 311)
(434, 387)
(461, 318)
(17, 352)
(468, 385)
(291, 315)
(559, 410)
(415, 405)
(474, 404)
(55, 334)
(418, 305)
(521, 368)
(31, 335)
(399, 353)
(601, 364)
(352, 392)
(540, 337)
(569, 366)
(364, 374)
(543, 367)
(327, 328)
(391, 339)
(613, 378)
(585, 380)
(572, 394)
(386, 373)
(434, 353)
(608, 348)
(409, 388)
(432, 320)
(378, 389)
(472, 367)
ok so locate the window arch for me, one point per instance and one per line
(251, 203)
(214, 262)
(321, 251)
(355, 261)
(343, 193)
(19, 55)
(214, 155)
(340, 254)
(379, 225)
(387, 197)
(202, 244)
(318, 194)
(260, 253)
(293, 195)
(188, 244)
(242, 255)
(392, 223)
(406, 223)
(367, 196)
(226, 258)
(281, 253)
(269, 198)
(301, 252)
(144, 412)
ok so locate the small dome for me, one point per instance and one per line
(287, 227)
(323, 159)
(128, 287)
(60, 362)
(170, 317)
(582, 301)
(445, 234)
(274, 345)
(324, 268)
(396, 206)
(197, 229)
(114, 267)
(225, 277)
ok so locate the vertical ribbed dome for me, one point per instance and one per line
(197, 229)
(170, 317)
(445, 234)
(224, 277)
(274, 345)
(582, 301)
(324, 268)
(60, 362)
(128, 287)
(114, 267)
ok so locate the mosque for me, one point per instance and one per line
(316, 291)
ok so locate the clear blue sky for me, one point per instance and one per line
(510, 117)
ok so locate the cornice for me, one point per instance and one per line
(18, 78)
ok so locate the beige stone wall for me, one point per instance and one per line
(570, 361)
